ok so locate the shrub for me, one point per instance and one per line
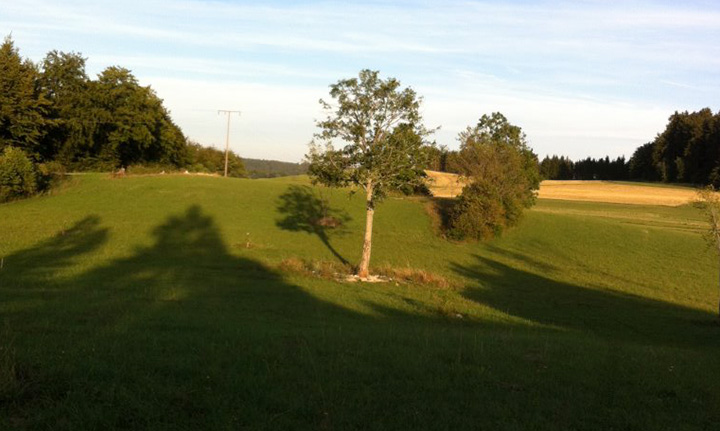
(50, 174)
(18, 175)
(503, 177)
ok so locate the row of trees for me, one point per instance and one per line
(56, 117)
(687, 151)
(562, 168)
(53, 111)
(385, 147)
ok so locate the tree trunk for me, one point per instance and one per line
(363, 268)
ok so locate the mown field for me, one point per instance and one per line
(161, 303)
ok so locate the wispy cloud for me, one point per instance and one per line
(581, 77)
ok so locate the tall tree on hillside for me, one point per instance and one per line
(22, 105)
(132, 126)
(503, 175)
(66, 86)
(381, 127)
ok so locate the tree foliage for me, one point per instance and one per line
(503, 177)
(212, 161)
(54, 112)
(380, 126)
(22, 105)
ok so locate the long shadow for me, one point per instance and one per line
(184, 335)
(609, 314)
(304, 210)
(38, 265)
(182, 315)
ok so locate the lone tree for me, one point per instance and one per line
(380, 126)
(502, 174)
(708, 201)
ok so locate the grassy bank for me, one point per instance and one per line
(157, 303)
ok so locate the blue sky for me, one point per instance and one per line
(582, 78)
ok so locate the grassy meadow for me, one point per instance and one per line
(162, 302)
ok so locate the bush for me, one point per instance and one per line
(50, 174)
(503, 174)
(18, 175)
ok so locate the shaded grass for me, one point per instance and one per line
(134, 304)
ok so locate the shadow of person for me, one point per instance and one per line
(39, 265)
(304, 210)
(609, 314)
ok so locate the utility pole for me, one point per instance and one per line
(227, 135)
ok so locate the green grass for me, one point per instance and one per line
(156, 303)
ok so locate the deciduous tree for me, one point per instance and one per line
(22, 105)
(381, 129)
(503, 177)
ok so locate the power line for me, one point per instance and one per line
(227, 136)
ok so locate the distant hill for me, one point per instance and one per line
(259, 168)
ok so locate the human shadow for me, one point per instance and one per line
(304, 210)
(592, 310)
(39, 265)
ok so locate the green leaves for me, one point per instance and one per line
(58, 113)
(504, 176)
(380, 127)
(22, 105)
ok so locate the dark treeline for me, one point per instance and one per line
(562, 168)
(55, 113)
(687, 151)
(551, 168)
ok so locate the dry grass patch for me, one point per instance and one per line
(447, 185)
(340, 272)
(611, 192)
(414, 276)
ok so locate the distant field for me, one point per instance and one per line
(161, 302)
(449, 185)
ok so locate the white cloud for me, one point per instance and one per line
(581, 78)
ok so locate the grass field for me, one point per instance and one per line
(158, 303)
(446, 185)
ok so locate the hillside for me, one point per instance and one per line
(164, 303)
(260, 168)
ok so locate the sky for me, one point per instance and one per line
(581, 78)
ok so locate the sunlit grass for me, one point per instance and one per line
(167, 303)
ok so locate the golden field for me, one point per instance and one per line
(449, 185)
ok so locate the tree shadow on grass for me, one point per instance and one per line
(304, 210)
(184, 335)
(210, 335)
(593, 310)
